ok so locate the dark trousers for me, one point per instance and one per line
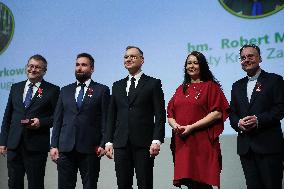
(21, 162)
(262, 171)
(68, 164)
(129, 158)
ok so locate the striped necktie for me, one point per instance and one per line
(80, 95)
(29, 95)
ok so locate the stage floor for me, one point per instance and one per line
(231, 178)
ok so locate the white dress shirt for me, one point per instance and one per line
(137, 77)
(251, 84)
(78, 88)
(35, 88)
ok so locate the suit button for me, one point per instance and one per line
(130, 108)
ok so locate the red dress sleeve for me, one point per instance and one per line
(170, 107)
(171, 114)
(217, 101)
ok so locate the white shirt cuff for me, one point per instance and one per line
(156, 142)
(109, 144)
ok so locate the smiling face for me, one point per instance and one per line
(35, 70)
(133, 61)
(192, 68)
(250, 60)
(83, 69)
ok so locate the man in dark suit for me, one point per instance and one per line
(257, 104)
(26, 126)
(79, 125)
(136, 121)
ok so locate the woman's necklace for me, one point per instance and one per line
(197, 92)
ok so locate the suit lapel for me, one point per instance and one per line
(257, 87)
(21, 92)
(72, 92)
(122, 90)
(243, 92)
(143, 79)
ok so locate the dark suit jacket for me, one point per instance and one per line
(140, 120)
(267, 103)
(40, 107)
(81, 129)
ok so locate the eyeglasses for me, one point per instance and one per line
(132, 57)
(249, 57)
(31, 66)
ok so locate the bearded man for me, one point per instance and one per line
(77, 141)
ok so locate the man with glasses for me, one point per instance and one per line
(257, 105)
(26, 126)
(136, 121)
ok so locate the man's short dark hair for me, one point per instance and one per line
(134, 47)
(39, 57)
(86, 55)
(250, 45)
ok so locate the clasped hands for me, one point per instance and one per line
(248, 123)
(182, 130)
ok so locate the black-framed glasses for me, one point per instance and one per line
(31, 66)
(132, 57)
(249, 57)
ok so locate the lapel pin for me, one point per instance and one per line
(90, 92)
(39, 91)
(258, 86)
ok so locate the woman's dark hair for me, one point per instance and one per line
(205, 73)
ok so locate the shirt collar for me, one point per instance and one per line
(87, 83)
(36, 84)
(255, 76)
(137, 76)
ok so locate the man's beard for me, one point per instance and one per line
(82, 77)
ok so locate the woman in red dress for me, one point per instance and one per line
(196, 113)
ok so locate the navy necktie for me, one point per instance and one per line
(80, 95)
(29, 95)
(131, 88)
(256, 8)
